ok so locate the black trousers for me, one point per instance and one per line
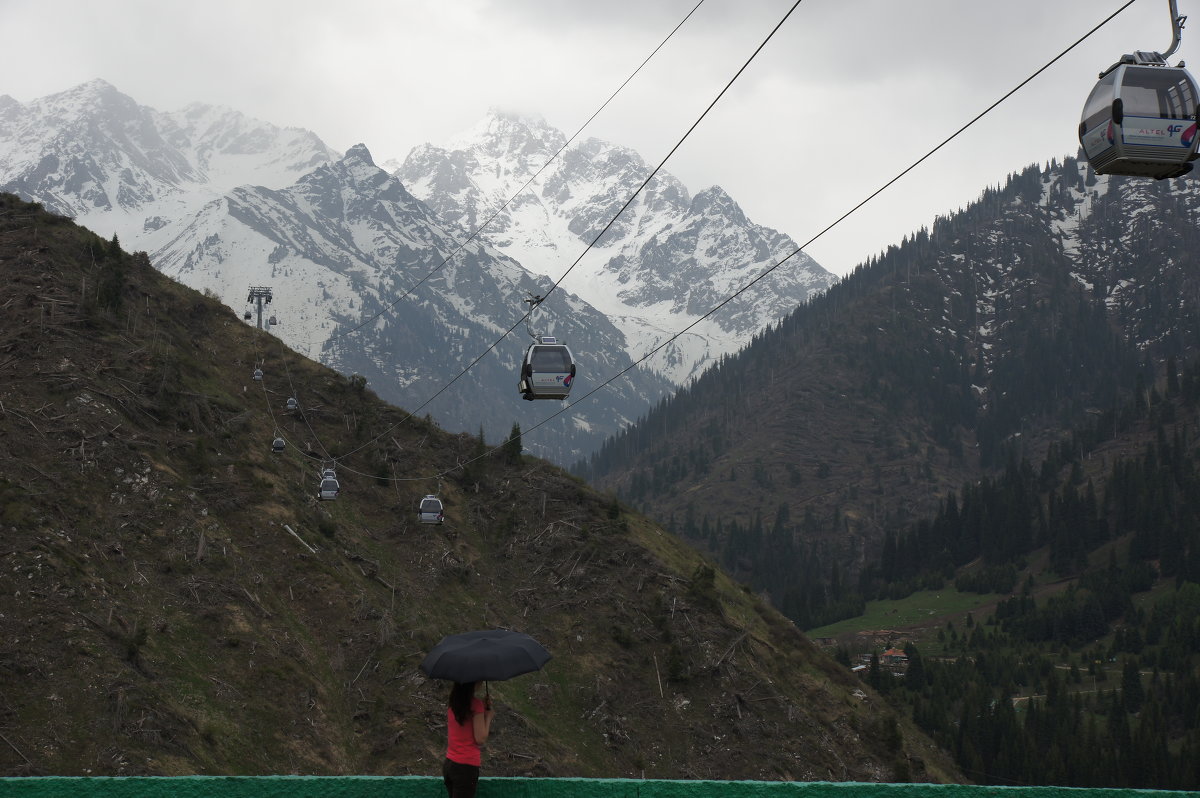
(460, 779)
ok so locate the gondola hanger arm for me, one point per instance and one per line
(1177, 21)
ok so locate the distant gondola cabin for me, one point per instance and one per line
(431, 511)
(329, 489)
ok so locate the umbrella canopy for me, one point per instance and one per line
(484, 656)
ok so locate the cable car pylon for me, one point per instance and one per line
(259, 295)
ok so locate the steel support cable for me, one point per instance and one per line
(524, 186)
(592, 243)
(798, 249)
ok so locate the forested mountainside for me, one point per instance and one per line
(1050, 299)
(999, 414)
(177, 601)
(1086, 577)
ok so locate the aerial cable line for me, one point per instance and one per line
(597, 237)
(304, 416)
(844, 216)
(490, 219)
(524, 186)
(798, 249)
(277, 428)
(772, 268)
(277, 431)
(666, 158)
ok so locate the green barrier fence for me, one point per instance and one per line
(431, 787)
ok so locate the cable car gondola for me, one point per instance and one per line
(272, 321)
(329, 489)
(258, 375)
(547, 370)
(430, 510)
(278, 445)
(246, 315)
(1140, 119)
(292, 404)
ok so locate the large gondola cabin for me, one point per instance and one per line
(1140, 119)
(547, 370)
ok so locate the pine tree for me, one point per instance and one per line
(512, 447)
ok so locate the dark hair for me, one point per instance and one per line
(460, 700)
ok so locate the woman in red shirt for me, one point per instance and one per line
(468, 723)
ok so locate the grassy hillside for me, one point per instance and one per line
(177, 601)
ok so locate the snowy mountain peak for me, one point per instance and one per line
(360, 154)
(660, 264)
(97, 88)
(94, 86)
(96, 100)
(716, 203)
(511, 134)
(118, 167)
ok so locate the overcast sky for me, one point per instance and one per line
(845, 96)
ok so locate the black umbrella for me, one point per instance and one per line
(485, 656)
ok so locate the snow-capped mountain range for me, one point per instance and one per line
(348, 250)
(666, 260)
(93, 153)
(222, 202)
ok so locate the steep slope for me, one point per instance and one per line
(177, 601)
(1046, 301)
(665, 261)
(348, 247)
